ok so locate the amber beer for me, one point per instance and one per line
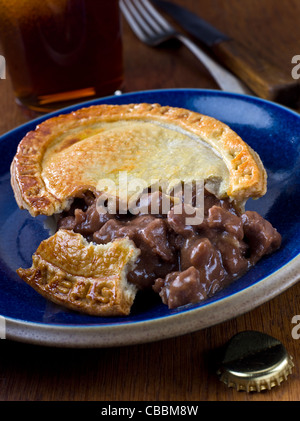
(61, 51)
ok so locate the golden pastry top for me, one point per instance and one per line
(71, 152)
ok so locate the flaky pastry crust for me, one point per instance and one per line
(82, 276)
(37, 190)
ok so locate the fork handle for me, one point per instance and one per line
(265, 80)
(226, 80)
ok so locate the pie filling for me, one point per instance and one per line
(183, 263)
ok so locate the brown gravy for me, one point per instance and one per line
(182, 263)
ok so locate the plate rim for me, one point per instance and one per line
(86, 335)
(95, 101)
(188, 322)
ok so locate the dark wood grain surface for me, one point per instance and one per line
(181, 368)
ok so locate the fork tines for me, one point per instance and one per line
(144, 20)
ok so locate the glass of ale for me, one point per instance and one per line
(59, 52)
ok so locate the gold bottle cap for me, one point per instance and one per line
(254, 361)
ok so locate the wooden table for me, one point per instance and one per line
(181, 368)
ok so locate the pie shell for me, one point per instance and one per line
(247, 176)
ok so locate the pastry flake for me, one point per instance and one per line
(83, 276)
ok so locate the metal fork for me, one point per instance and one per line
(153, 29)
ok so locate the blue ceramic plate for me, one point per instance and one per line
(273, 131)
